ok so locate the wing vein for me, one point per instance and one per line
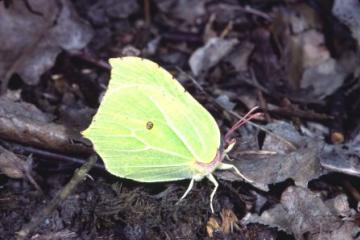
(147, 147)
(196, 132)
(175, 130)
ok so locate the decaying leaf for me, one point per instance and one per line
(348, 12)
(239, 56)
(344, 158)
(278, 161)
(341, 158)
(103, 11)
(229, 220)
(225, 102)
(33, 41)
(339, 206)
(212, 226)
(310, 66)
(324, 79)
(10, 164)
(224, 226)
(209, 55)
(187, 10)
(24, 123)
(304, 214)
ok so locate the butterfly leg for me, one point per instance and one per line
(231, 143)
(228, 157)
(225, 166)
(188, 189)
(213, 180)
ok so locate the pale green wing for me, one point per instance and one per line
(148, 128)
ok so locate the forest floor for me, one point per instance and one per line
(297, 60)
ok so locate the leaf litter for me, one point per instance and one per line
(57, 28)
(287, 58)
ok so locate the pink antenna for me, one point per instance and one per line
(248, 116)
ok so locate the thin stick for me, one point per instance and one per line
(248, 9)
(38, 153)
(78, 176)
(263, 105)
(147, 12)
(27, 172)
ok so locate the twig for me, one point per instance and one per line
(227, 29)
(295, 112)
(27, 170)
(78, 176)
(247, 9)
(89, 59)
(259, 152)
(147, 12)
(256, 12)
(263, 104)
(286, 104)
(30, 8)
(43, 153)
(255, 83)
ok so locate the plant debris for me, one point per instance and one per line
(304, 214)
(57, 28)
(297, 60)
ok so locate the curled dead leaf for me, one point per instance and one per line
(10, 164)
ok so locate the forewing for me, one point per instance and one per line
(148, 128)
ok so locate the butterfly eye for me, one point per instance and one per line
(149, 125)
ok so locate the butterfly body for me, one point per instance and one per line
(148, 128)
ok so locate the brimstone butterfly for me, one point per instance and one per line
(148, 128)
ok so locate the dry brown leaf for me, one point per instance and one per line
(10, 164)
